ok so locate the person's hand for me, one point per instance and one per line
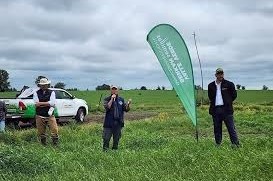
(129, 101)
(41, 104)
(113, 97)
(38, 104)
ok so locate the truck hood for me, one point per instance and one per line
(80, 101)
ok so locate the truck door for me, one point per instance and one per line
(64, 103)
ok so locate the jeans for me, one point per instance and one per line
(218, 118)
(108, 133)
(2, 125)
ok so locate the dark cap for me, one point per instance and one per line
(219, 71)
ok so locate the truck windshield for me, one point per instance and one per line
(28, 93)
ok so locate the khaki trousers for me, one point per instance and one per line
(41, 123)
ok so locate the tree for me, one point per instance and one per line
(38, 79)
(198, 87)
(103, 87)
(158, 88)
(72, 89)
(143, 88)
(59, 85)
(4, 83)
(13, 89)
(163, 88)
(265, 87)
(238, 86)
(243, 87)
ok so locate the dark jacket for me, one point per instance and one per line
(229, 94)
(43, 97)
(3, 111)
(114, 115)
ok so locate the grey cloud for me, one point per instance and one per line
(262, 7)
(65, 5)
(86, 43)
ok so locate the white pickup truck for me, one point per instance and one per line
(23, 108)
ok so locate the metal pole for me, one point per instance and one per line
(196, 133)
(202, 91)
(99, 102)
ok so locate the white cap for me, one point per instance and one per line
(44, 81)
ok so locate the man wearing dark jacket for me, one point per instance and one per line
(221, 94)
(3, 112)
(114, 118)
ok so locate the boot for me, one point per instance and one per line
(43, 141)
(105, 146)
(115, 146)
(55, 141)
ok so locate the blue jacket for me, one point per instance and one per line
(3, 110)
(116, 113)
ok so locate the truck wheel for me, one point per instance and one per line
(80, 115)
(33, 122)
(16, 124)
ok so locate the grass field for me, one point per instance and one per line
(159, 148)
(150, 99)
(167, 100)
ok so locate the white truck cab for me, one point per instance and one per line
(23, 107)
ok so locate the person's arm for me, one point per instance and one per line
(108, 103)
(36, 100)
(233, 92)
(41, 104)
(5, 108)
(126, 107)
(52, 100)
(210, 93)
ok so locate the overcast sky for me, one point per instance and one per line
(86, 43)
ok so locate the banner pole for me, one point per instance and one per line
(99, 102)
(202, 91)
(197, 132)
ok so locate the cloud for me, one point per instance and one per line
(86, 43)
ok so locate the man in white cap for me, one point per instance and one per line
(222, 93)
(45, 100)
(114, 118)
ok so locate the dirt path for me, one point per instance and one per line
(97, 118)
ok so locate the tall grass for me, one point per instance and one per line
(159, 148)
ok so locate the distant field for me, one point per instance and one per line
(157, 100)
(151, 99)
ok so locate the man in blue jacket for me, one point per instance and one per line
(115, 107)
(222, 93)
